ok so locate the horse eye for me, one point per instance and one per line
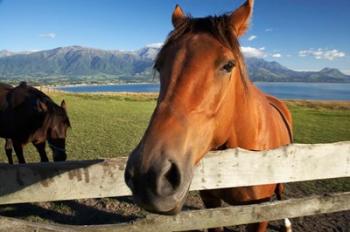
(229, 66)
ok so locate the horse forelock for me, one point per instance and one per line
(219, 27)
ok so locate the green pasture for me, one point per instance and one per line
(109, 125)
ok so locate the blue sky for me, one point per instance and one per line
(302, 35)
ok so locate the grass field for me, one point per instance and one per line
(110, 125)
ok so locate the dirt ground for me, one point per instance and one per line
(117, 210)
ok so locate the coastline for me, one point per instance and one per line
(283, 90)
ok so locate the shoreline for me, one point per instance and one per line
(155, 94)
(97, 84)
(282, 90)
(152, 83)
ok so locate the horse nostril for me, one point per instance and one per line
(173, 175)
(170, 180)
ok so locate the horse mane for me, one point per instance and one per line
(218, 27)
(52, 108)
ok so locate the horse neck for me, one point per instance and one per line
(249, 119)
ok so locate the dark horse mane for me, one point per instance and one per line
(218, 27)
(52, 107)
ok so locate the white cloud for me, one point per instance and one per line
(252, 37)
(277, 55)
(49, 35)
(253, 52)
(268, 29)
(322, 54)
(154, 45)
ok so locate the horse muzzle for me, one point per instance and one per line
(162, 186)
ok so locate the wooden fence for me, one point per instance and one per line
(222, 169)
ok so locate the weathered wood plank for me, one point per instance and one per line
(12, 224)
(199, 219)
(62, 181)
(229, 168)
(292, 163)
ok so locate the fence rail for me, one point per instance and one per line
(230, 168)
(200, 219)
(222, 169)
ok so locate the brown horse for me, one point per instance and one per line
(206, 102)
(28, 115)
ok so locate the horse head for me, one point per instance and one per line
(202, 77)
(57, 132)
(54, 127)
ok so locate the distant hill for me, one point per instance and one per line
(262, 70)
(76, 64)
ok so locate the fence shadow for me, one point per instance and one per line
(66, 212)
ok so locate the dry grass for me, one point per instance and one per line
(331, 105)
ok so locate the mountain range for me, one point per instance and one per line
(76, 64)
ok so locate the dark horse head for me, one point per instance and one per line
(32, 116)
(58, 123)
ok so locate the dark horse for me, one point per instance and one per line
(206, 102)
(28, 115)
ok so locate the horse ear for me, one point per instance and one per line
(42, 107)
(178, 16)
(240, 18)
(64, 105)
